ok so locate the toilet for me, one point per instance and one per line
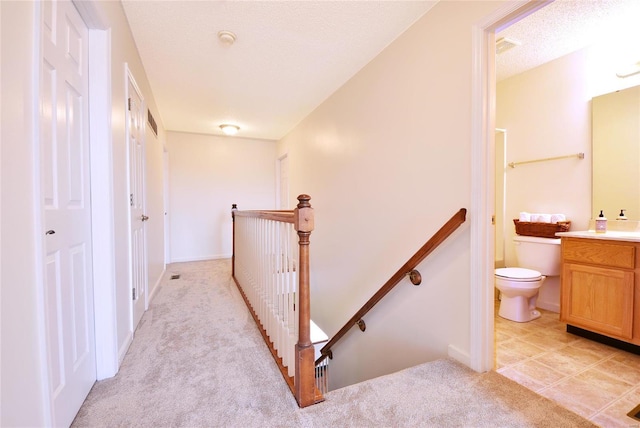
(537, 259)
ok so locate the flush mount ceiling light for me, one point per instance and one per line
(503, 44)
(229, 129)
(629, 71)
(226, 37)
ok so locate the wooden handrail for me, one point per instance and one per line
(303, 384)
(445, 231)
(284, 216)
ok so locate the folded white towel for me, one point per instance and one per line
(524, 216)
(541, 218)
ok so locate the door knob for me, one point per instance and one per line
(144, 217)
(50, 232)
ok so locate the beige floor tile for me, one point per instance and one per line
(619, 370)
(594, 380)
(615, 415)
(505, 358)
(549, 339)
(518, 346)
(562, 398)
(615, 421)
(511, 328)
(501, 336)
(604, 382)
(579, 395)
(535, 373)
(594, 347)
(566, 360)
(523, 379)
(627, 358)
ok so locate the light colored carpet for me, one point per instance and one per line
(198, 360)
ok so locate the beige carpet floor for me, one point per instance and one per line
(198, 360)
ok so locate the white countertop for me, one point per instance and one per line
(612, 235)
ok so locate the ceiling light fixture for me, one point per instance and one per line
(229, 129)
(226, 37)
(503, 44)
(629, 71)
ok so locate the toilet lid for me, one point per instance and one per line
(519, 273)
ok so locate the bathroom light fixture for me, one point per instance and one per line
(229, 129)
(503, 44)
(629, 71)
(226, 37)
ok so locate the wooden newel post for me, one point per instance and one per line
(305, 368)
(234, 208)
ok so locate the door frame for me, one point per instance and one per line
(130, 81)
(483, 102)
(102, 193)
(102, 216)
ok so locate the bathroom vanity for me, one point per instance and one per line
(600, 285)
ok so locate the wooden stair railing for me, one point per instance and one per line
(303, 383)
(407, 269)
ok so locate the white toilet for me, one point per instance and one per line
(519, 286)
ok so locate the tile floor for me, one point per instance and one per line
(594, 380)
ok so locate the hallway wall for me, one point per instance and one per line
(207, 175)
(386, 160)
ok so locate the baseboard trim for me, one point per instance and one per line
(549, 306)
(155, 288)
(459, 355)
(200, 259)
(124, 348)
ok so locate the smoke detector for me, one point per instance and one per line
(226, 37)
(503, 44)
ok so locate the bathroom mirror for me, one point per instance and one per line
(616, 153)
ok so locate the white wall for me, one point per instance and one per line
(155, 205)
(123, 52)
(21, 376)
(386, 160)
(547, 112)
(24, 400)
(208, 174)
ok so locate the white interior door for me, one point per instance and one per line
(135, 137)
(66, 203)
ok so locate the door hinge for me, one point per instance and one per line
(129, 104)
(131, 199)
(493, 220)
(134, 296)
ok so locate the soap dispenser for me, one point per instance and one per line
(621, 216)
(601, 223)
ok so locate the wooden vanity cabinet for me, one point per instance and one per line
(600, 287)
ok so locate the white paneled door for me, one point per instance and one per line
(64, 167)
(135, 135)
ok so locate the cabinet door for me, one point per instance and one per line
(598, 299)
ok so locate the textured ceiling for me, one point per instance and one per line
(566, 26)
(289, 56)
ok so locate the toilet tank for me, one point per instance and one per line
(541, 254)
